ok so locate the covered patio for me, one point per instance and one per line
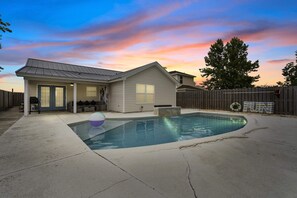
(53, 86)
(65, 95)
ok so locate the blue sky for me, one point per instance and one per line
(121, 35)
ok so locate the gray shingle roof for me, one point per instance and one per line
(42, 68)
(49, 69)
(181, 73)
(132, 72)
(191, 87)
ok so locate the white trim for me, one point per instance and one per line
(26, 97)
(74, 98)
(61, 78)
(124, 94)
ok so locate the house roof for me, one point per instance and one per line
(191, 87)
(50, 69)
(181, 74)
(136, 70)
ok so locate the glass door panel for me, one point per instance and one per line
(59, 97)
(45, 96)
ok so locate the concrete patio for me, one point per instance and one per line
(41, 156)
(8, 118)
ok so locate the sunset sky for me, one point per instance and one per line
(121, 35)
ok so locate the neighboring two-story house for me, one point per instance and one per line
(186, 81)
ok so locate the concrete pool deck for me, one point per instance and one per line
(8, 118)
(40, 156)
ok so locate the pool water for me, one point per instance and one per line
(151, 131)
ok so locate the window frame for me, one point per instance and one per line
(145, 94)
(181, 79)
(88, 91)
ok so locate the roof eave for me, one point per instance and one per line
(116, 80)
(61, 78)
(181, 74)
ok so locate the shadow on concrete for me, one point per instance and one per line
(8, 118)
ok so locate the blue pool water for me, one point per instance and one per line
(150, 131)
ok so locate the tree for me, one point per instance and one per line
(227, 66)
(4, 28)
(290, 73)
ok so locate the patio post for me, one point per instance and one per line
(26, 97)
(74, 98)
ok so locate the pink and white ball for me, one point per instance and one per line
(97, 119)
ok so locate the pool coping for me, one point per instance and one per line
(240, 133)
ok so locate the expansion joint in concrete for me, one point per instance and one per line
(111, 186)
(151, 187)
(38, 165)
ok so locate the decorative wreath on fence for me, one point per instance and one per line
(235, 106)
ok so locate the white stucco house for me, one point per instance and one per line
(61, 86)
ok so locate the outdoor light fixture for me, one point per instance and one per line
(71, 84)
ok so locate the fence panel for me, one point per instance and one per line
(10, 99)
(285, 103)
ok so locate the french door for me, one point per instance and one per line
(51, 97)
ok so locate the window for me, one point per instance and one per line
(145, 94)
(181, 79)
(91, 91)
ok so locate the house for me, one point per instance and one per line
(61, 86)
(186, 81)
(183, 78)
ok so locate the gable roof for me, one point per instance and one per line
(181, 74)
(137, 70)
(56, 70)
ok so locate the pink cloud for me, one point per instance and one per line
(6, 75)
(281, 61)
(125, 24)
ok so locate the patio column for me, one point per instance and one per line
(124, 95)
(26, 97)
(74, 98)
(107, 97)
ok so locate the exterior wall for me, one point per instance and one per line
(165, 90)
(33, 88)
(176, 77)
(81, 90)
(116, 97)
(188, 81)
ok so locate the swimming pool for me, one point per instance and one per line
(128, 133)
